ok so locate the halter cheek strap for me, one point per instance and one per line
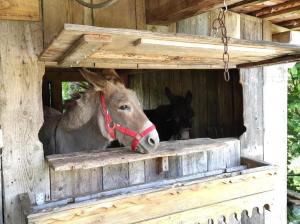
(112, 127)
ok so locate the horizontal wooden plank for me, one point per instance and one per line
(216, 211)
(153, 203)
(83, 48)
(28, 10)
(93, 159)
(144, 49)
(277, 10)
(291, 24)
(273, 61)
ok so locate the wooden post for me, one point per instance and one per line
(275, 126)
(21, 115)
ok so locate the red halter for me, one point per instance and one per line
(111, 127)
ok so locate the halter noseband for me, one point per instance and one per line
(112, 127)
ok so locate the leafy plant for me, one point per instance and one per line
(293, 133)
(293, 124)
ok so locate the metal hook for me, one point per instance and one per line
(225, 6)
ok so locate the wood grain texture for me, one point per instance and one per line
(92, 159)
(136, 172)
(287, 37)
(135, 207)
(167, 11)
(120, 15)
(69, 11)
(275, 87)
(277, 10)
(24, 168)
(83, 48)
(116, 176)
(252, 82)
(157, 49)
(28, 10)
(73, 183)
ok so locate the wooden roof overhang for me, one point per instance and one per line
(285, 13)
(88, 46)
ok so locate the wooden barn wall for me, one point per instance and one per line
(130, 14)
(217, 104)
(23, 165)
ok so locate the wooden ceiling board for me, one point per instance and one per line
(258, 5)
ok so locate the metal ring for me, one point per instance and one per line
(226, 76)
(101, 5)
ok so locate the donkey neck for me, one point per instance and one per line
(87, 137)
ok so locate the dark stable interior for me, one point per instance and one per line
(217, 105)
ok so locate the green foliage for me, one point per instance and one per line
(71, 88)
(293, 132)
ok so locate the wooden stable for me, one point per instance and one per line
(153, 44)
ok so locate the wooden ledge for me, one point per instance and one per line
(93, 159)
(203, 198)
(88, 46)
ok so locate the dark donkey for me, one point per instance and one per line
(102, 114)
(173, 121)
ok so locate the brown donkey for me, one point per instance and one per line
(102, 114)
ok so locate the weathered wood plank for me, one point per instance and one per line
(152, 172)
(273, 61)
(21, 116)
(69, 11)
(73, 183)
(277, 10)
(20, 10)
(162, 49)
(136, 172)
(149, 203)
(290, 24)
(252, 82)
(115, 176)
(216, 211)
(122, 14)
(92, 159)
(83, 48)
(292, 37)
(167, 11)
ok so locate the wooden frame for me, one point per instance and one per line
(198, 199)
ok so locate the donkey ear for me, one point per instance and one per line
(112, 76)
(189, 97)
(169, 94)
(98, 81)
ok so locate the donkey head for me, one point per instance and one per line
(117, 110)
(181, 114)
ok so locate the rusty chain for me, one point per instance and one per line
(219, 26)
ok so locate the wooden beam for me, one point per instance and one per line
(28, 10)
(168, 11)
(273, 61)
(245, 2)
(83, 48)
(290, 24)
(292, 37)
(279, 9)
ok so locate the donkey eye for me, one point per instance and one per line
(124, 107)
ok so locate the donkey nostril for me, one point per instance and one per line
(151, 141)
